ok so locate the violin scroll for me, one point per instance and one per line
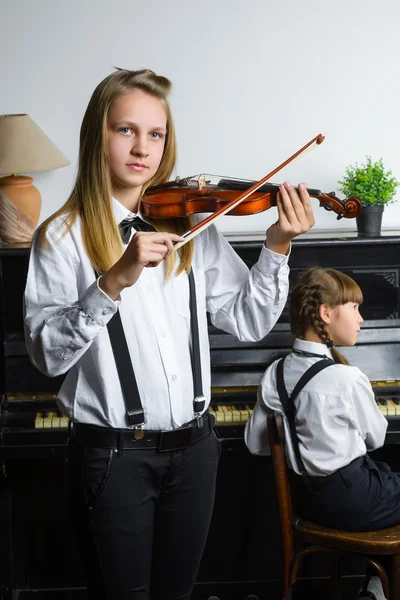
(352, 206)
(348, 208)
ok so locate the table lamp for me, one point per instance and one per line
(24, 148)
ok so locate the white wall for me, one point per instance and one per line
(253, 82)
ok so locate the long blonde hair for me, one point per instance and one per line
(90, 198)
(318, 286)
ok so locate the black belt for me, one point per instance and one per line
(163, 441)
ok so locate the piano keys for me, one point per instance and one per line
(387, 395)
(31, 424)
(51, 420)
(231, 414)
(389, 407)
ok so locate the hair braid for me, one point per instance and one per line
(305, 303)
(320, 329)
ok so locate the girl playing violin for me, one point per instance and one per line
(109, 303)
(336, 419)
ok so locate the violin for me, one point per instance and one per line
(209, 193)
(183, 197)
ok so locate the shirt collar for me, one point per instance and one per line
(314, 347)
(121, 212)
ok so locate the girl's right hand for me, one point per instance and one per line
(146, 249)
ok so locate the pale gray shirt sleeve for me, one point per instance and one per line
(59, 325)
(364, 413)
(256, 430)
(245, 303)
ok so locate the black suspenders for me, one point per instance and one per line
(134, 409)
(288, 402)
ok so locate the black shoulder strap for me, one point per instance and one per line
(130, 391)
(318, 366)
(288, 402)
(133, 403)
(199, 398)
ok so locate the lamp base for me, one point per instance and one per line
(20, 204)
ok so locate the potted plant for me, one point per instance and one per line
(375, 187)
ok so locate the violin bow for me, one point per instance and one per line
(196, 229)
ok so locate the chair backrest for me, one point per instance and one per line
(276, 434)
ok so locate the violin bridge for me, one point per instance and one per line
(201, 182)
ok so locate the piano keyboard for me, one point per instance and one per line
(51, 420)
(239, 414)
(236, 414)
(389, 407)
(224, 414)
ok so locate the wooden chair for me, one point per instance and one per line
(297, 533)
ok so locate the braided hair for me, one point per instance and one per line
(318, 286)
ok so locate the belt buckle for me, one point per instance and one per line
(138, 432)
(175, 439)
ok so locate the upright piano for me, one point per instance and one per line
(241, 560)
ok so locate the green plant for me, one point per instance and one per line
(369, 182)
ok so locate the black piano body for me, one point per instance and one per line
(242, 552)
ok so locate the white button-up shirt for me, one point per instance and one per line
(66, 316)
(337, 418)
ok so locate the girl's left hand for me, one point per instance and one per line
(295, 216)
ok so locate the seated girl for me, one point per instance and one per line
(334, 420)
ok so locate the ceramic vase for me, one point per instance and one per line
(20, 204)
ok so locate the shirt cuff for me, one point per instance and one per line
(98, 305)
(269, 261)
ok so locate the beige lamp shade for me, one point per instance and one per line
(24, 148)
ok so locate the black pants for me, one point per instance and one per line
(363, 496)
(141, 518)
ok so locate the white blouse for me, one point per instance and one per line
(66, 316)
(337, 418)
